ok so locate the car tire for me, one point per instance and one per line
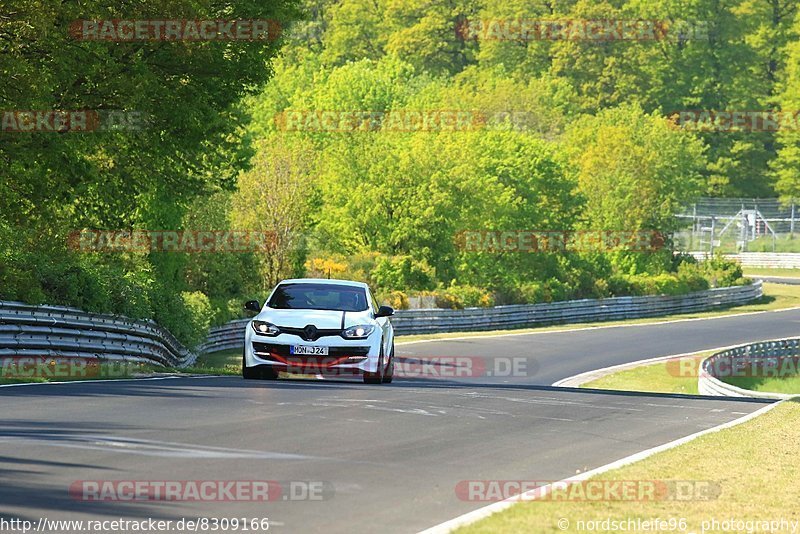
(377, 376)
(268, 373)
(249, 373)
(389, 373)
(260, 372)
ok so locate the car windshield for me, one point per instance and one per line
(318, 297)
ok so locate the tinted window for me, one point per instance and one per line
(318, 297)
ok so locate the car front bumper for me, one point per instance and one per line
(346, 357)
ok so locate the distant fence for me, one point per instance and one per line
(770, 260)
(749, 357)
(231, 335)
(55, 331)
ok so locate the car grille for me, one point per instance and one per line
(299, 332)
(263, 350)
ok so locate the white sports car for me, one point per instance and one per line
(320, 327)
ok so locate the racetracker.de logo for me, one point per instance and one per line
(201, 490)
(530, 241)
(463, 367)
(712, 120)
(186, 241)
(403, 121)
(587, 490)
(175, 30)
(598, 30)
(726, 366)
(59, 121)
(25, 367)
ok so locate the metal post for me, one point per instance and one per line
(791, 223)
(744, 230)
(713, 228)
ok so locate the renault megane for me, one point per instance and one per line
(320, 327)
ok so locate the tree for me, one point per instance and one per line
(634, 169)
(273, 199)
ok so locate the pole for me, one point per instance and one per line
(713, 227)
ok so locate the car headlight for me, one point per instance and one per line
(264, 328)
(360, 331)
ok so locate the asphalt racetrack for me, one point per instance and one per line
(348, 457)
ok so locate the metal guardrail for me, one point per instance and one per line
(231, 335)
(50, 331)
(55, 331)
(769, 260)
(752, 356)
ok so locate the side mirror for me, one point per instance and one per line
(252, 305)
(384, 311)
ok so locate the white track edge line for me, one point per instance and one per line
(486, 511)
(97, 381)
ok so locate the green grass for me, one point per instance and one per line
(754, 466)
(103, 372)
(661, 377)
(222, 361)
(758, 271)
(789, 384)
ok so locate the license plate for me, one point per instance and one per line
(308, 350)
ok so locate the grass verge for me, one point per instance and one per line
(757, 271)
(788, 384)
(660, 377)
(752, 465)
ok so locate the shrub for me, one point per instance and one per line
(402, 272)
(457, 297)
(447, 300)
(722, 272)
(396, 299)
(187, 315)
(531, 293)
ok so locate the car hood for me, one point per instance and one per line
(322, 319)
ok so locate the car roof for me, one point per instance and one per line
(331, 281)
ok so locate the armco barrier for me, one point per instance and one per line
(27, 330)
(231, 335)
(753, 354)
(770, 260)
(50, 331)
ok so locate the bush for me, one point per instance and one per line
(396, 299)
(448, 301)
(458, 297)
(531, 293)
(402, 272)
(722, 272)
(187, 315)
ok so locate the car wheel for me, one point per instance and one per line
(376, 377)
(249, 373)
(387, 377)
(260, 372)
(268, 373)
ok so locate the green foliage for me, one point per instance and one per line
(568, 136)
(396, 299)
(634, 170)
(402, 272)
